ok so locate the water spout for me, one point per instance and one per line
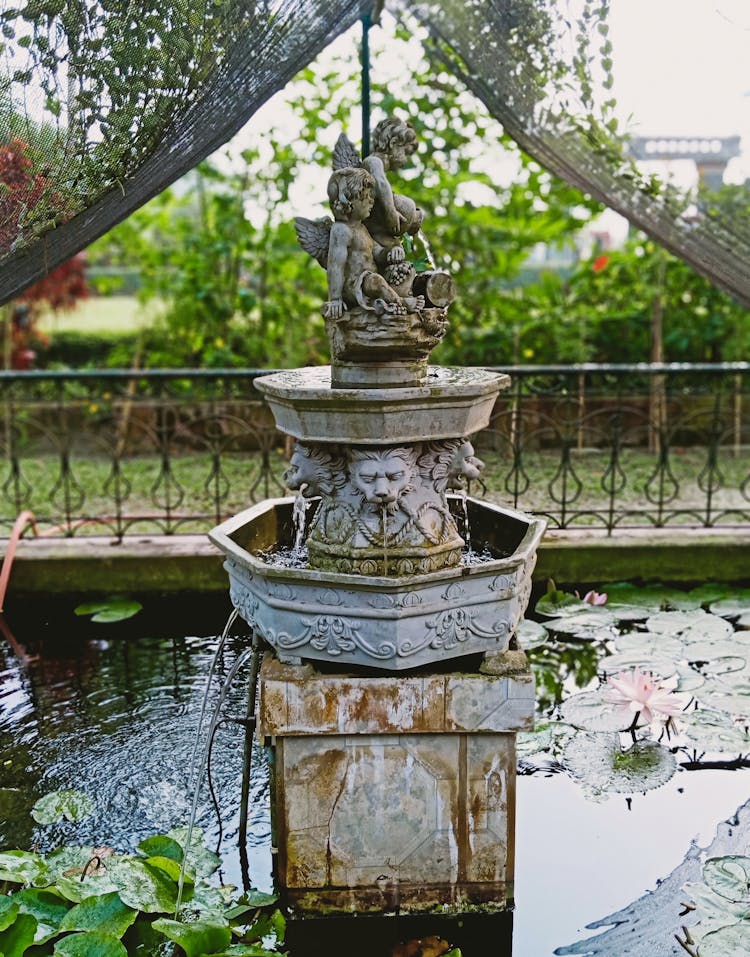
(299, 515)
(466, 531)
(385, 539)
(427, 251)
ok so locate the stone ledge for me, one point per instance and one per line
(299, 700)
(179, 563)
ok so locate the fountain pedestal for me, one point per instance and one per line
(394, 794)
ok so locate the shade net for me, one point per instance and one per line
(103, 105)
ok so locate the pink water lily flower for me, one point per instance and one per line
(643, 699)
(595, 598)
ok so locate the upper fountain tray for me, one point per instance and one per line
(450, 403)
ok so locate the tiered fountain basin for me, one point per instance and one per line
(388, 623)
(450, 402)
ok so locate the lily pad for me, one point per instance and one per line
(46, 906)
(731, 941)
(646, 643)
(710, 592)
(714, 910)
(627, 613)
(109, 610)
(8, 911)
(690, 625)
(22, 867)
(743, 622)
(69, 805)
(106, 914)
(734, 606)
(531, 634)
(598, 761)
(588, 711)
(655, 597)
(196, 938)
(551, 606)
(90, 943)
(144, 887)
(729, 877)
(658, 665)
(714, 731)
(201, 860)
(18, 937)
(596, 623)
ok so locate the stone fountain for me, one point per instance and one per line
(391, 792)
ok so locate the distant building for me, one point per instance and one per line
(711, 154)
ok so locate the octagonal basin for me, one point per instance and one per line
(391, 624)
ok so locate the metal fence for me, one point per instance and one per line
(167, 451)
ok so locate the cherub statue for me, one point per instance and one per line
(348, 252)
(393, 215)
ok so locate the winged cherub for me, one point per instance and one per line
(393, 215)
(348, 252)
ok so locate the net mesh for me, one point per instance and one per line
(104, 103)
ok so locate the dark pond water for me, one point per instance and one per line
(112, 710)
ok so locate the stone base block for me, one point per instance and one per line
(393, 794)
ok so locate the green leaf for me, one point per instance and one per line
(47, 906)
(8, 911)
(70, 805)
(197, 938)
(160, 845)
(556, 604)
(734, 606)
(171, 868)
(143, 887)
(202, 861)
(106, 914)
(714, 731)
(90, 943)
(690, 626)
(18, 936)
(732, 941)
(21, 867)
(110, 609)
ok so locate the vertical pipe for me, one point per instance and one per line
(366, 24)
(249, 724)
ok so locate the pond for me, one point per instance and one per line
(111, 710)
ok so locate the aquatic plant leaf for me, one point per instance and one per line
(729, 877)
(710, 592)
(46, 906)
(94, 885)
(196, 938)
(714, 731)
(106, 914)
(250, 950)
(19, 936)
(160, 845)
(67, 858)
(690, 625)
(588, 711)
(143, 887)
(90, 943)
(110, 610)
(731, 941)
(558, 605)
(626, 613)
(531, 634)
(22, 867)
(714, 911)
(69, 805)
(598, 761)
(586, 625)
(688, 679)
(171, 868)
(8, 911)
(202, 861)
(646, 643)
(734, 606)
(743, 622)
(530, 743)
(658, 665)
(656, 597)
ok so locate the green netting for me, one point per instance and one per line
(105, 103)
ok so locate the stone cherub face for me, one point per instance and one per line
(351, 193)
(382, 477)
(396, 140)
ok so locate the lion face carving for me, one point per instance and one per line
(382, 477)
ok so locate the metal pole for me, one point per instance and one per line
(366, 24)
(249, 725)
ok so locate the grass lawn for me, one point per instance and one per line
(111, 315)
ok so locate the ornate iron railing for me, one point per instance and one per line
(167, 451)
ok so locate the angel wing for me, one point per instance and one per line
(313, 236)
(345, 153)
